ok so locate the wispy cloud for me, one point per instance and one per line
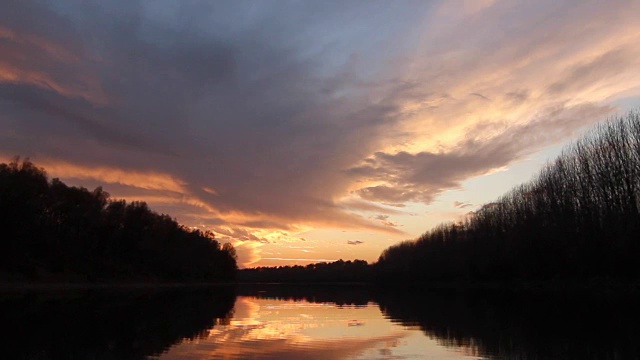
(404, 176)
(384, 219)
(314, 260)
(461, 205)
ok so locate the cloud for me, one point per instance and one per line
(355, 242)
(461, 205)
(354, 204)
(198, 102)
(307, 260)
(274, 118)
(480, 96)
(384, 219)
(133, 178)
(422, 176)
(236, 233)
(248, 252)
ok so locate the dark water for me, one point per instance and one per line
(277, 322)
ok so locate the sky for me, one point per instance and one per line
(306, 131)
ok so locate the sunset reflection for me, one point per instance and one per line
(288, 329)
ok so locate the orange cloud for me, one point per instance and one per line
(248, 252)
(139, 179)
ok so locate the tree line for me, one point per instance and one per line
(578, 218)
(54, 232)
(323, 272)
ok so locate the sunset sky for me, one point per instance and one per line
(306, 131)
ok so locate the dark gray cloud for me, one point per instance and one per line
(219, 102)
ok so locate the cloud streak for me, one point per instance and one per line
(461, 205)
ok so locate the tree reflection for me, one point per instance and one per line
(497, 324)
(121, 324)
(523, 326)
(351, 294)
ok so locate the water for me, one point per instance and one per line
(277, 322)
(292, 329)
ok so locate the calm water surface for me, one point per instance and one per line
(277, 322)
(299, 329)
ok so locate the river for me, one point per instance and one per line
(311, 322)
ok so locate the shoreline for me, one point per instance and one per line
(553, 286)
(63, 286)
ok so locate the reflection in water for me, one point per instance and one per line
(279, 322)
(122, 324)
(335, 294)
(524, 326)
(272, 328)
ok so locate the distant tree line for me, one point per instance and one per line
(337, 271)
(578, 218)
(53, 232)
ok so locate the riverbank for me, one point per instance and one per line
(10, 287)
(602, 285)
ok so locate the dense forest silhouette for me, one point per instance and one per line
(53, 232)
(578, 218)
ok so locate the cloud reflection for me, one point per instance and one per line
(271, 329)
